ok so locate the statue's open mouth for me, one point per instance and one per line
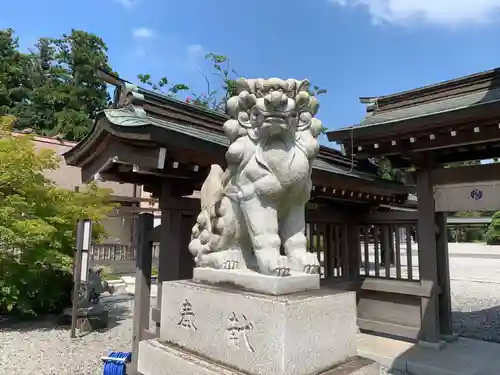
(275, 120)
(279, 114)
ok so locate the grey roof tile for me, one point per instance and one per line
(129, 118)
(220, 139)
(432, 108)
(192, 131)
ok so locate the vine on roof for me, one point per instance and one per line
(219, 68)
(220, 84)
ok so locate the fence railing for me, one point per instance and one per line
(118, 251)
(387, 251)
(329, 242)
(112, 252)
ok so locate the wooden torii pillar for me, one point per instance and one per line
(433, 263)
(174, 260)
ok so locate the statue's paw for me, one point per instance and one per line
(229, 265)
(230, 260)
(281, 269)
(310, 263)
(304, 261)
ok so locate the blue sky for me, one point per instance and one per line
(350, 47)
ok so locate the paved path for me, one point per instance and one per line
(464, 357)
(472, 255)
(473, 262)
(473, 248)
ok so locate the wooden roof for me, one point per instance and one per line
(452, 121)
(146, 136)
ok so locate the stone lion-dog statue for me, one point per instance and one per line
(254, 211)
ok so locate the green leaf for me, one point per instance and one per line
(37, 228)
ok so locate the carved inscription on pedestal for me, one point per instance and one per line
(238, 332)
(187, 316)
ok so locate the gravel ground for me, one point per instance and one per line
(476, 310)
(46, 349)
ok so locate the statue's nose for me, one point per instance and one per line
(274, 98)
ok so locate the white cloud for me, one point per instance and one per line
(194, 55)
(194, 49)
(441, 12)
(143, 33)
(127, 3)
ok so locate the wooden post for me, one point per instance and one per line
(392, 238)
(427, 256)
(168, 255)
(385, 250)
(354, 251)
(77, 270)
(173, 245)
(144, 257)
(443, 266)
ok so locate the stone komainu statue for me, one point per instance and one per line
(256, 208)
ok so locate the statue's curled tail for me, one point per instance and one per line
(215, 224)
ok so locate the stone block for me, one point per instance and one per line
(156, 358)
(257, 282)
(356, 366)
(295, 334)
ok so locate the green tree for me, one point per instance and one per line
(37, 227)
(493, 232)
(58, 92)
(14, 73)
(387, 172)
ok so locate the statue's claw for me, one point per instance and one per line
(282, 269)
(229, 264)
(223, 260)
(272, 265)
(305, 262)
(311, 269)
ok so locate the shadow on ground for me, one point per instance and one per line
(482, 325)
(120, 308)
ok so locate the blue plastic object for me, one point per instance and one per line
(116, 363)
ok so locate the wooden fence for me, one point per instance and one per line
(120, 258)
(389, 292)
(375, 255)
(387, 251)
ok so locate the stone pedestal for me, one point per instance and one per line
(222, 330)
(156, 358)
(256, 282)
